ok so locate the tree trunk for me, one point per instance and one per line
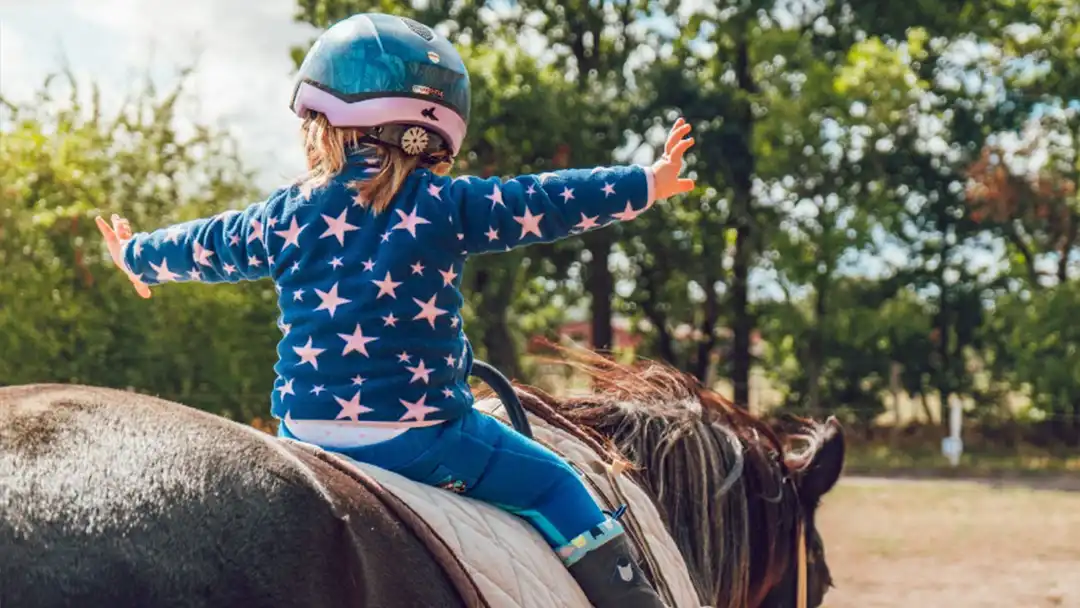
(708, 329)
(945, 380)
(741, 210)
(817, 347)
(651, 307)
(497, 290)
(600, 285)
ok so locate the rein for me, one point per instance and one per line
(802, 592)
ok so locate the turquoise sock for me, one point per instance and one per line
(581, 544)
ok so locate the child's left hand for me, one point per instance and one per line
(116, 236)
(666, 169)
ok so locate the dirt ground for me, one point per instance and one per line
(946, 544)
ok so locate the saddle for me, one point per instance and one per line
(498, 560)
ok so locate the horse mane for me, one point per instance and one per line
(719, 475)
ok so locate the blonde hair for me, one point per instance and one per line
(326, 147)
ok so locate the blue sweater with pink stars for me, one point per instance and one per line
(370, 303)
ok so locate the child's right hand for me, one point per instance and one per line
(116, 236)
(667, 168)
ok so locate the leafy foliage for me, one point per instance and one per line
(883, 187)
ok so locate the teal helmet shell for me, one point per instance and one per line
(373, 69)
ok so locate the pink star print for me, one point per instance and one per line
(531, 190)
(228, 268)
(254, 262)
(428, 311)
(418, 268)
(358, 380)
(390, 320)
(447, 393)
(369, 265)
(434, 191)
(309, 354)
(335, 263)
(291, 235)
(234, 240)
(495, 197)
(286, 389)
(194, 275)
(492, 234)
(351, 408)
(256, 231)
(172, 235)
(356, 341)
(163, 272)
(298, 295)
(404, 357)
(409, 221)
(627, 214)
(330, 300)
(202, 255)
(318, 388)
(448, 276)
(609, 189)
(416, 410)
(587, 222)
(337, 227)
(450, 360)
(420, 372)
(567, 195)
(386, 286)
(530, 224)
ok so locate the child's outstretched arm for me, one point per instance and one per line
(230, 246)
(497, 216)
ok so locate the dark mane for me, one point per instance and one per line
(719, 474)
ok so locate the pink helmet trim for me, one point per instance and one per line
(380, 111)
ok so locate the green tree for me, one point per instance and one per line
(67, 315)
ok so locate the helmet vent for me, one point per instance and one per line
(419, 29)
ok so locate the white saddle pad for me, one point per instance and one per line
(510, 562)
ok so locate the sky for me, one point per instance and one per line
(240, 49)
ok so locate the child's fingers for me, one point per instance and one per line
(684, 185)
(105, 228)
(122, 227)
(677, 133)
(140, 288)
(679, 149)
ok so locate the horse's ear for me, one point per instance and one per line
(825, 468)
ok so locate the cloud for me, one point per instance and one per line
(240, 51)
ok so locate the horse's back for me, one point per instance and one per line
(111, 498)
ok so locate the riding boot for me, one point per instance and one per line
(611, 579)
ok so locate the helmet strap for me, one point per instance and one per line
(414, 140)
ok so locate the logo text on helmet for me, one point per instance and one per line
(433, 56)
(422, 90)
(429, 113)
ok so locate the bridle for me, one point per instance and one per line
(802, 592)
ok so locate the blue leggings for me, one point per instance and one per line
(480, 457)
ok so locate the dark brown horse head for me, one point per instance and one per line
(734, 490)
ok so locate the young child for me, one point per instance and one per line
(366, 253)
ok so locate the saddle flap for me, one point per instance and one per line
(508, 560)
(672, 566)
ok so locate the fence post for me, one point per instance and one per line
(953, 445)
